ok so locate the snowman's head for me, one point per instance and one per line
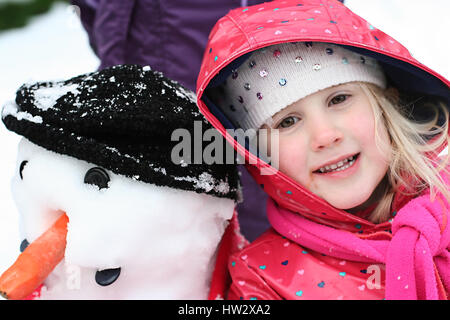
(99, 148)
(114, 221)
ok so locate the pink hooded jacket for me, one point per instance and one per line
(315, 251)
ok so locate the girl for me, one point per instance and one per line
(359, 198)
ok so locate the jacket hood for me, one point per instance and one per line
(245, 30)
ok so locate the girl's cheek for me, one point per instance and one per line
(292, 156)
(384, 144)
(373, 137)
(361, 125)
(294, 163)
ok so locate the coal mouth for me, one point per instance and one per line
(107, 277)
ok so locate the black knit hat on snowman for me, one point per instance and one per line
(122, 119)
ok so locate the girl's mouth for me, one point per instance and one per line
(338, 166)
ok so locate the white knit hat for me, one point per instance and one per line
(274, 77)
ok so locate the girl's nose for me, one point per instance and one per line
(324, 135)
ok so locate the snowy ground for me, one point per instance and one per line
(54, 46)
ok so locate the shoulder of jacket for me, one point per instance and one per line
(268, 240)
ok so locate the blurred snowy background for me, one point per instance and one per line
(54, 46)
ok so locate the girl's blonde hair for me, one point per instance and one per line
(414, 164)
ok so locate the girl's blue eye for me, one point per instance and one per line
(339, 99)
(287, 122)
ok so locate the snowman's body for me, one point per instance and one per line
(163, 240)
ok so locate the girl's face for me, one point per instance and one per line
(327, 144)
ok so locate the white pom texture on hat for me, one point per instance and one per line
(274, 77)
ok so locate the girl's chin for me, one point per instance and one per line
(366, 201)
(351, 204)
(351, 208)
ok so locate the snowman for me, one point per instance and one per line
(96, 150)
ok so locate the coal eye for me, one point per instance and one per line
(98, 177)
(22, 165)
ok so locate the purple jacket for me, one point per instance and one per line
(170, 36)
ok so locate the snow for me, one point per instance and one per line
(54, 46)
(46, 97)
(11, 108)
(207, 183)
(182, 93)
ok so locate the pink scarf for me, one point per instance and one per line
(417, 257)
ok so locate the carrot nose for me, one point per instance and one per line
(36, 262)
